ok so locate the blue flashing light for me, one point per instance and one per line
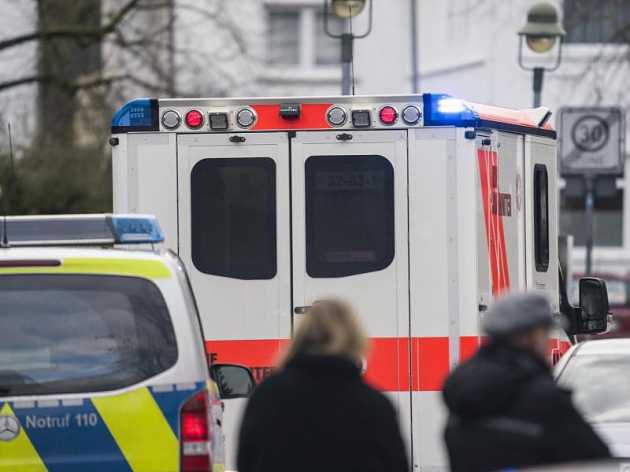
(136, 115)
(451, 105)
(444, 110)
(136, 229)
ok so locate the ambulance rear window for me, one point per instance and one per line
(349, 215)
(81, 333)
(233, 217)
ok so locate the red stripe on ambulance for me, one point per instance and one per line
(388, 364)
(489, 177)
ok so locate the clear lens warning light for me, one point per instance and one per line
(336, 116)
(411, 115)
(171, 119)
(245, 118)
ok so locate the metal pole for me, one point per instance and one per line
(590, 229)
(415, 79)
(170, 80)
(347, 51)
(539, 73)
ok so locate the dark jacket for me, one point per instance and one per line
(506, 411)
(318, 415)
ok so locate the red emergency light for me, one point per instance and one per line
(388, 115)
(194, 119)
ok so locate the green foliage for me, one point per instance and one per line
(54, 180)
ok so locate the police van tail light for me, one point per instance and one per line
(195, 434)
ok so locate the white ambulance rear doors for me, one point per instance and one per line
(271, 222)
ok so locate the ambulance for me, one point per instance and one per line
(417, 209)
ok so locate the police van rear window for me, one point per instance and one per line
(87, 333)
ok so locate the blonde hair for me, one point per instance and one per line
(329, 327)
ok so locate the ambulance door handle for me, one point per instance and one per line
(301, 310)
(344, 137)
(237, 139)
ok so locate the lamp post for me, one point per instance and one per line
(541, 32)
(347, 9)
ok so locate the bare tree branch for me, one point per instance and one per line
(82, 84)
(21, 81)
(74, 33)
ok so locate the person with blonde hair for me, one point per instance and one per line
(316, 413)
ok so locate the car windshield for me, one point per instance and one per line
(81, 333)
(601, 386)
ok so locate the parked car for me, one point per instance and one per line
(598, 373)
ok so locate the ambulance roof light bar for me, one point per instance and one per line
(82, 230)
(316, 113)
(140, 114)
(444, 110)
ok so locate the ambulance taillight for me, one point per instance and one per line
(195, 434)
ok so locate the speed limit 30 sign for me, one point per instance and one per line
(591, 140)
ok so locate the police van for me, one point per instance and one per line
(417, 209)
(102, 364)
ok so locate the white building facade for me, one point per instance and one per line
(469, 49)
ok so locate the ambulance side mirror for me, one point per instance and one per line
(233, 381)
(593, 309)
(591, 316)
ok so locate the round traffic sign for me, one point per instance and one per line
(590, 133)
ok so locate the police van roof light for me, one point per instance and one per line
(81, 230)
(444, 110)
(136, 229)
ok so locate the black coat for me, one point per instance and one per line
(506, 411)
(318, 415)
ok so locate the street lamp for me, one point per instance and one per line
(541, 33)
(347, 9)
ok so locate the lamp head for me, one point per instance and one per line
(543, 28)
(347, 8)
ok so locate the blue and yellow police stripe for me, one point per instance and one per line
(134, 431)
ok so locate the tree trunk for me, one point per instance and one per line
(63, 62)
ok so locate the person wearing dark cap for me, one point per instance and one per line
(504, 408)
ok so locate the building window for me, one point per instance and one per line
(296, 37)
(284, 38)
(349, 215)
(607, 218)
(541, 218)
(233, 222)
(597, 21)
